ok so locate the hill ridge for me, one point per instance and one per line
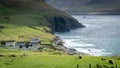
(35, 13)
(87, 6)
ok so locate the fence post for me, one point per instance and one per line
(116, 66)
(90, 66)
(77, 65)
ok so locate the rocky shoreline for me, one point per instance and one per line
(60, 44)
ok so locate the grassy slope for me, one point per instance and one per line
(24, 14)
(18, 28)
(48, 60)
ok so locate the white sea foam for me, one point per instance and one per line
(93, 52)
(73, 44)
(85, 48)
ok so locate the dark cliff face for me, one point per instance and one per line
(37, 9)
(63, 24)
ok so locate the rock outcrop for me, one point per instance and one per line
(63, 23)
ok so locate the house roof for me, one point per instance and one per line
(20, 43)
(9, 41)
(34, 43)
(35, 39)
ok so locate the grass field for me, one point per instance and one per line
(27, 19)
(23, 27)
(30, 59)
(24, 33)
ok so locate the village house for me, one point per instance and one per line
(34, 42)
(20, 44)
(10, 43)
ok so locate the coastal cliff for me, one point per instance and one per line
(33, 15)
(63, 23)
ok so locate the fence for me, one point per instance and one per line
(98, 66)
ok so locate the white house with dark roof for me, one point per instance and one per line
(20, 44)
(10, 43)
(34, 42)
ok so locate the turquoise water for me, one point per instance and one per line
(101, 37)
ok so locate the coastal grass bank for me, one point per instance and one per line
(35, 59)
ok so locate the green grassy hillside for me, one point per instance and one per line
(24, 19)
(18, 20)
(23, 27)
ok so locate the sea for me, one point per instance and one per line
(101, 37)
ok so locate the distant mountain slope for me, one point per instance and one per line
(23, 19)
(87, 6)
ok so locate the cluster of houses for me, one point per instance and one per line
(34, 42)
